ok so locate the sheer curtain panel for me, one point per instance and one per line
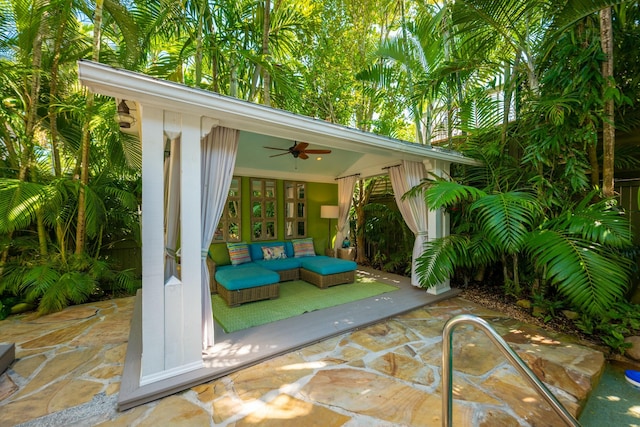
(345, 198)
(413, 209)
(219, 149)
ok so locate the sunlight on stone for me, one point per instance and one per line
(544, 340)
(308, 365)
(282, 407)
(458, 391)
(290, 388)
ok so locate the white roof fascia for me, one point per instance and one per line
(247, 116)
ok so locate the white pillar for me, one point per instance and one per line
(171, 331)
(438, 220)
(152, 138)
(190, 241)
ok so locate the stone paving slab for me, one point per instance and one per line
(68, 367)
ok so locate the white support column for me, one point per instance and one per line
(152, 220)
(173, 287)
(438, 219)
(171, 332)
(190, 238)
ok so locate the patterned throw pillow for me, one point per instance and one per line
(238, 253)
(303, 247)
(273, 252)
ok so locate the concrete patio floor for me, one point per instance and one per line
(68, 369)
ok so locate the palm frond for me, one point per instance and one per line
(72, 286)
(443, 194)
(38, 280)
(599, 222)
(19, 202)
(482, 251)
(125, 280)
(586, 273)
(506, 218)
(440, 259)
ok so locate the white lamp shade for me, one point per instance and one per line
(328, 211)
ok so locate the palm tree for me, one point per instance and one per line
(126, 26)
(608, 127)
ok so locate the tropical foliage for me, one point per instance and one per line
(535, 209)
(518, 85)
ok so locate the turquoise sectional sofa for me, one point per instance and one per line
(259, 279)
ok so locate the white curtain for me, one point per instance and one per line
(172, 208)
(345, 198)
(219, 149)
(413, 209)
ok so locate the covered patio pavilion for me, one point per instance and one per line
(174, 343)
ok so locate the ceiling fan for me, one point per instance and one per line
(298, 150)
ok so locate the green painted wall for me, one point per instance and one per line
(318, 194)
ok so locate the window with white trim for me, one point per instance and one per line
(229, 227)
(263, 209)
(295, 209)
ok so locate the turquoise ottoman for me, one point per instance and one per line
(324, 271)
(247, 283)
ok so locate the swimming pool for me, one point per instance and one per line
(614, 402)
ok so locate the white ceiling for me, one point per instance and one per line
(254, 159)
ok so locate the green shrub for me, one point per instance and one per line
(52, 283)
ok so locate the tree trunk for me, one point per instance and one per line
(608, 125)
(214, 59)
(417, 117)
(53, 93)
(233, 74)
(266, 77)
(42, 233)
(510, 86)
(361, 198)
(595, 164)
(199, 46)
(86, 138)
(516, 275)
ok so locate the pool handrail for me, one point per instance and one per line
(507, 351)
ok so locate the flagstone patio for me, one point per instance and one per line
(68, 368)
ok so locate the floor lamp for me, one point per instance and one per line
(329, 212)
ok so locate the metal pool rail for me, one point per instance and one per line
(507, 351)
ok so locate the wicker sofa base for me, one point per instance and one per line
(286, 275)
(235, 298)
(325, 281)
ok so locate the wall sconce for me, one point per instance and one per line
(123, 116)
(329, 212)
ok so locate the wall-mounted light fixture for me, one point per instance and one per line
(123, 116)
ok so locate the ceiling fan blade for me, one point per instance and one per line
(300, 146)
(317, 151)
(281, 154)
(276, 148)
(303, 155)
